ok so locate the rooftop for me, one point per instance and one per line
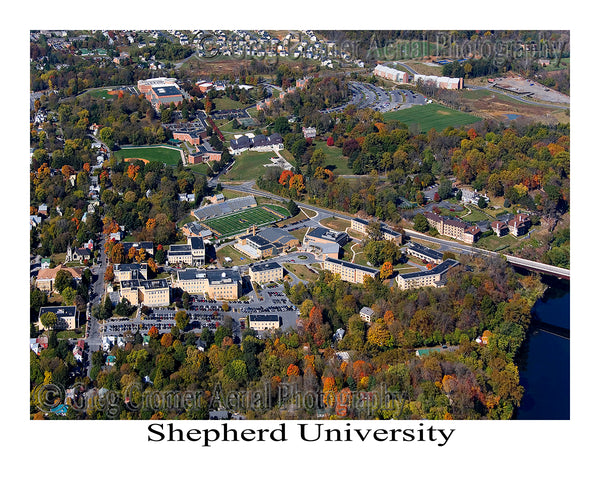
(352, 265)
(265, 266)
(441, 268)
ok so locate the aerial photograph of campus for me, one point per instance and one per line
(299, 225)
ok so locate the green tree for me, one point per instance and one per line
(182, 319)
(481, 203)
(68, 295)
(420, 223)
(293, 208)
(63, 280)
(49, 320)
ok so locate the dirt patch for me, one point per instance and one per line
(133, 159)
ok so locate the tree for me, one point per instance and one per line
(293, 208)
(386, 271)
(182, 319)
(330, 141)
(436, 197)
(420, 223)
(68, 295)
(63, 279)
(109, 274)
(49, 320)
(281, 125)
(481, 203)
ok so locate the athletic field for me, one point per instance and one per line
(168, 156)
(229, 225)
(431, 116)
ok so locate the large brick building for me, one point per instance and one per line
(266, 272)
(452, 227)
(391, 74)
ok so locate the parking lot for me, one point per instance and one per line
(204, 313)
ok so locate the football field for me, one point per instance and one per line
(228, 225)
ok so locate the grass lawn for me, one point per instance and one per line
(408, 269)
(202, 168)
(227, 103)
(301, 271)
(240, 221)
(299, 234)
(334, 223)
(297, 218)
(334, 160)
(431, 116)
(236, 257)
(65, 334)
(168, 156)
(476, 215)
(248, 166)
(497, 244)
(101, 93)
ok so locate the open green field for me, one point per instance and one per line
(431, 116)
(301, 271)
(334, 160)
(238, 222)
(334, 223)
(168, 156)
(248, 166)
(101, 93)
(237, 258)
(227, 103)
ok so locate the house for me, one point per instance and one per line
(309, 132)
(67, 317)
(187, 197)
(471, 234)
(45, 263)
(366, 314)
(519, 225)
(499, 228)
(43, 209)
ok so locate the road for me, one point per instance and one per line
(248, 187)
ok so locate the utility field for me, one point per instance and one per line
(166, 155)
(229, 225)
(431, 116)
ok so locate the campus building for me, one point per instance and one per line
(519, 224)
(153, 293)
(439, 82)
(452, 227)
(191, 253)
(260, 322)
(349, 272)
(67, 317)
(499, 228)
(436, 277)
(204, 153)
(223, 284)
(391, 74)
(360, 225)
(424, 253)
(130, 271)
(266, 272)
(324, 235)
(46, 276)
(266, 243)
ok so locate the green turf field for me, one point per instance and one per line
(238, 222)
(431, 116)
(168, 156)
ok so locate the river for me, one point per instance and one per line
(544, 358)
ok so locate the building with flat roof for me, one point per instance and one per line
(325, 235)
(225, 284)
(424, 253)
(266, 272)
(144, 86)
(153, 293)
(261, 322)
(191, 253)
(436, 277)
(164, 95)
(130, 271)
(360, 225)
(67, 317)
(349, 272)
(147, 246)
